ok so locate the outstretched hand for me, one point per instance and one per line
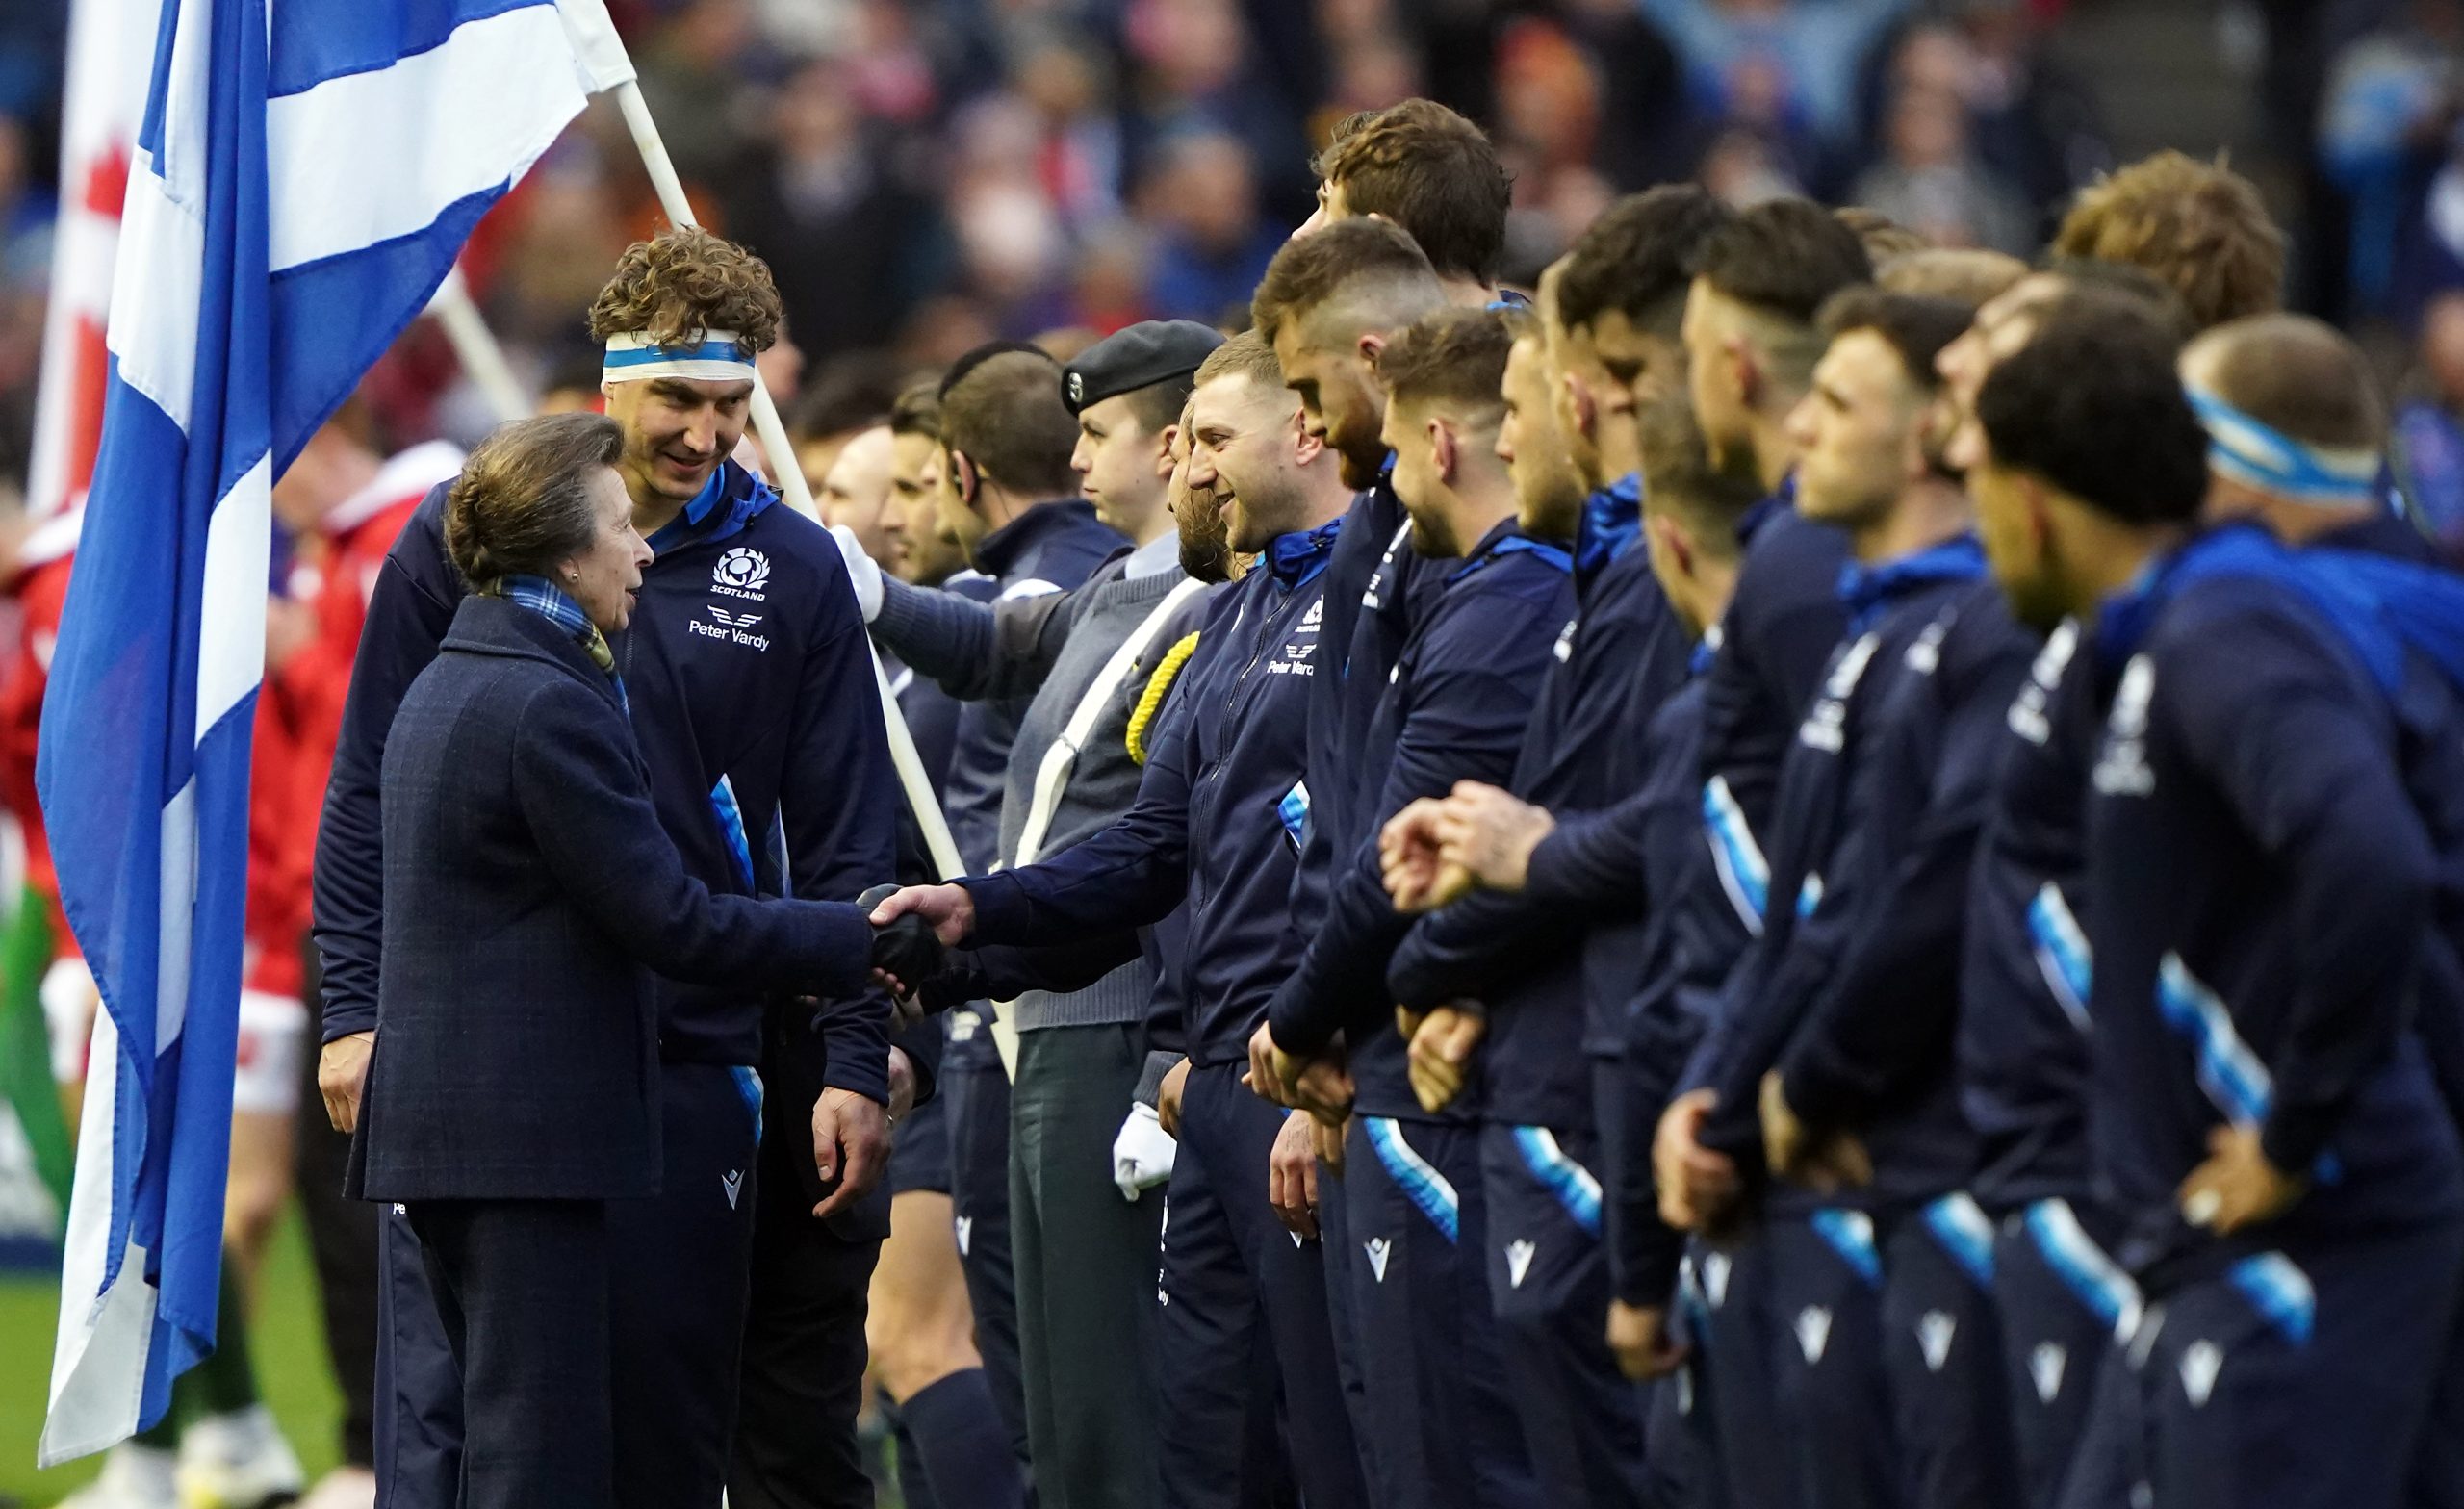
(907, 951)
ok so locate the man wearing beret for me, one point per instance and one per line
(1082, 1250)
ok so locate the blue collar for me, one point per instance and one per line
(2241, 549)
(1295, 559)
(1612, 519)
(725, 502)
(1508, 538)
(1866, 590)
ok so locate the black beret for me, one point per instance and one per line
(1134, 357)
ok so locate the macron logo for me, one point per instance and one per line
(1378, 1248)
(1518, 1261)
(1715, 1278)
(2201, 1362)
(2045, 1367)
(732, 1182)
(1814, 1332)
(1934, 1334)
(965, 1225)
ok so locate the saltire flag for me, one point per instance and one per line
(303, 175)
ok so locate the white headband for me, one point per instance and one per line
(715, 356)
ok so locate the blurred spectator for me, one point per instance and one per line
(1078, 145)
(1212, 246)
(2390, 102)
(851, 246)
(2427, 445)
(1786, 68)
(1929, 180)
(2031, 123)
(1198, 71)
(693, 75)
(1548, 130)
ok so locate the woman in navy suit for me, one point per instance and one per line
(529, 894)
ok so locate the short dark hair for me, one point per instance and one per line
(2092, 405)
(1637, 259)
(2299, 377)
(1311, 269)
(1454, 357)
(1681, 477)
(1430, 171)
(1004, 413)
(917, 410)
(1783, 257)
(1915, 325)
(2200, 227)
(852, 394)
(523, 500)
(1158, 405)
(684, 281)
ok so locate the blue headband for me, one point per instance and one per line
(2243, 451)
(717, 356)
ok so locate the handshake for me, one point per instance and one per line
(913, 930)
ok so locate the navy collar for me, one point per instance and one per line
(996, 552)
(1295, 561)
(1508, 538)
(1612, 519)
(1865, 591)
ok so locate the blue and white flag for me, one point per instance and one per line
(303, 177)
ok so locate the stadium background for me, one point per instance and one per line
(927, 174)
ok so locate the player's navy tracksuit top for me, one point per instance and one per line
(1666, 1018)
(2025, 1038)
(1052, 547)
(1852, 988)
(2260, 884)
(1216, 821)
(1783, 621)
(753, 702)
(1615, 663)
(1455, 707)
(1376, 587)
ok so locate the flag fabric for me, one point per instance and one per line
(110, 44)
(303, 174)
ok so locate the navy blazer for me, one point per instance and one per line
(530, 893)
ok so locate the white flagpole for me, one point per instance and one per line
(474, 346)
(605, 53)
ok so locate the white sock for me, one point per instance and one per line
(142, 1473)
(234, 1436)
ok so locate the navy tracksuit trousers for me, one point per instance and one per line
(1446, 1428)
(1245, 1324)
(1548, 1276)
(2297, 1378)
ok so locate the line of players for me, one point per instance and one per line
(1854, 834)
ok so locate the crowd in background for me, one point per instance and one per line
(923, 176)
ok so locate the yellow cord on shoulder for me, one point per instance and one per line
(1151, 700)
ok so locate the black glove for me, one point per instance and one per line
(907, 950)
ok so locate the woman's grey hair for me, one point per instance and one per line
(523, 500)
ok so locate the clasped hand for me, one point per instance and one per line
(1435, 850)
(914, 927)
